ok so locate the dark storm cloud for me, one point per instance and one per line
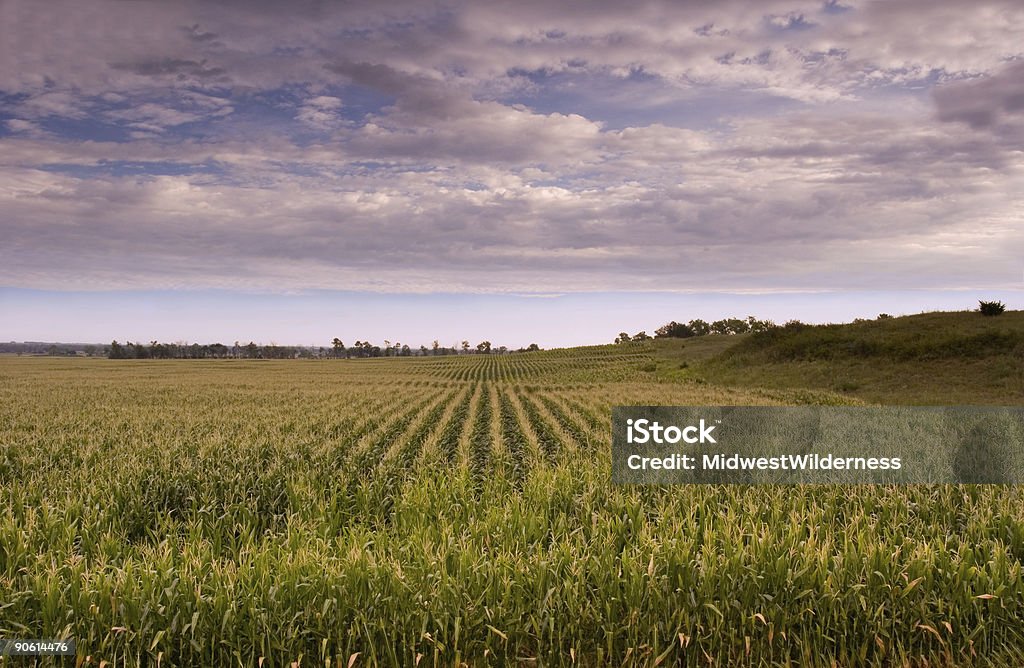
(986, 102)
(416, 94)
(172, 66)
(196, 34)
(779, 144)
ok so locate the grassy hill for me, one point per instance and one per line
(931, 358)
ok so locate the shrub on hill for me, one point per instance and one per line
(802, 342)
(991, 308)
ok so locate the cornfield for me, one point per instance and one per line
(458, 510)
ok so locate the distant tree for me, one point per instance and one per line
(755, 325)
(641, 336)
(622, 338)
(991, 308)
(884, 316)
(737, 326)
(435, 346)
(502, 350)
(673, 330)
(465, 346)
(484, 347)
(533, 347)
(700, 327)
(406, 351)
(423, 349)
(338, 346)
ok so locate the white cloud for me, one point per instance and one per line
(321, 112)
(21, 126)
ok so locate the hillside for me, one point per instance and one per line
(931, 358)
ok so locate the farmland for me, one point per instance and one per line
(458, 510)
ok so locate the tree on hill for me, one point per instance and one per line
(674, 330)
(725, 326)
(991, 308)
(699, 327)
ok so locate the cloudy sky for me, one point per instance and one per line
(549, 171)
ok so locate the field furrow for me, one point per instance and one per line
(447, 445)
(548, 441)
(514, 440)
(480, 455)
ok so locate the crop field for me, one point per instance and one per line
(458, 510)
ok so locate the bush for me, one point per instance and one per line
(991, 308)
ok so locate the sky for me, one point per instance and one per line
(550, 172)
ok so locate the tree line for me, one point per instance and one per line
(698, 327)
(157, 350)
(338, 349)
(397, 349)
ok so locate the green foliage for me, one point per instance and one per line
(701, 328)
(991, 308)
(945, 358)
(674, 330)
(797, 341)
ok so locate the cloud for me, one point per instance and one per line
(535, 148)
(61, 104)
(186, 107)
(993, 103)
(321, 112)
(175, 68)
(18, 125)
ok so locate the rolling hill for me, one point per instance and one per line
(930, 358)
